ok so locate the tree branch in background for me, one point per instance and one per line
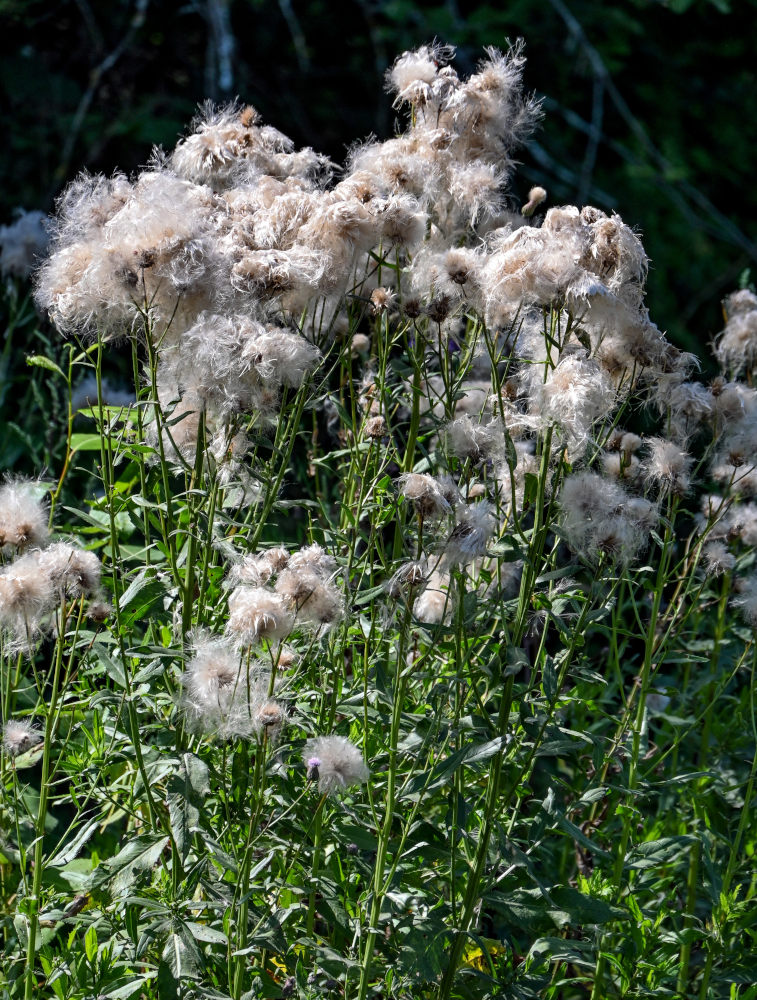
(219, 69)
(95, 78)
(298, 37)
(714, 222)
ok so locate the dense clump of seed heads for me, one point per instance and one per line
(241, 257)
(41, 575)
(227, 695)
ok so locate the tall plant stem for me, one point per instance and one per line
(651, 649)
(379, 887)
(44, 794)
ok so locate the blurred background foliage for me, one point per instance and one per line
(650, 106)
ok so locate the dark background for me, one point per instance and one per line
(651, 107)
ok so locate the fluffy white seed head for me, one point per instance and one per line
(601, 519)
(746, 601)
(433, 606)
(313, 557)
(27, 595)
(19, 735)
(256, 570)
(718, 559)
(335, 763)
(225, 695)
(256, 613)
(22, 244)
(474, 527)
(736, 347)
(72, 571)
(574, 396)
(668, 466)
(23, 516)
(474, 440)
(425, 493)
(310, 597)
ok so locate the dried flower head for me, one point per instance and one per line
(407, 578)
(536, 196)
(23, 515)
(256, 613)
(474, 526)
(375, 428)
(226, 695)
(19, 735)
(382, 300)
(336, 762)
(425, 493)
(360, 345)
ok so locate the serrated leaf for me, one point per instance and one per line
(185, 794)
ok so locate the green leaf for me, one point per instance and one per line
(553, 949)
(654, 853)
(185, 794)
(40, 361)
(142, 594)
(581, 909)
(85, 442)
(207, 934)
(90, 943)
(181, 954)
(122, 990)
(69, 852)
(138, 856)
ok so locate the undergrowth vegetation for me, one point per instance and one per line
(391, 634)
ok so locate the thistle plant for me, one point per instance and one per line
(394, 636)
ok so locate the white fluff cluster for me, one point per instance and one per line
(19, 735)
(23, 516)
(334, 763)
(736, 347)
(246, 253)
(601, 519)
(226, 695)
(304, 593)
(39, 581)
(228, 239)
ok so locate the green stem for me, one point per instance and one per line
(696, 850)
(651, 649)
(379, 887)
(39, 827)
